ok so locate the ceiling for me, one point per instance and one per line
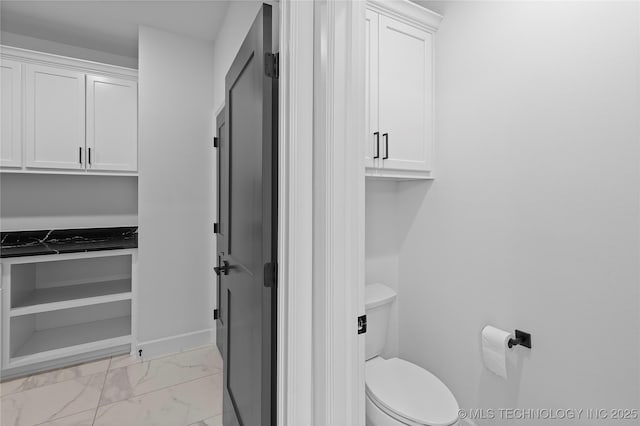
(110, 25)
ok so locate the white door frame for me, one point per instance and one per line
(321, 205)
(294, 355)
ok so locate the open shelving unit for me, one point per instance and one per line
(60, 306)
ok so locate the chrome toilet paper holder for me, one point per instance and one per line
(522, 339)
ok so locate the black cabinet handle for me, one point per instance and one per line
(89, 156)
(377, 135)
(386, 144)
(80, 155)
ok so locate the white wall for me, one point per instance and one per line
(382, 246)
(176, 190)
(48, 46)
(533, 220)
(237, 21)
(30, 202)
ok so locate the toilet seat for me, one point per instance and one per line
(409, 393)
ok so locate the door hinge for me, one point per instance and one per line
(270, 274)
(362, 324)
(216, 227)
(271, 64)
(216, 314)
(215, 141)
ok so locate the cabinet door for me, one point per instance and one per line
(112, 124)
(10, 114)
(406, 96)
(372, 140)
(54, 118)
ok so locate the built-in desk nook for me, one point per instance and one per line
(61, 308)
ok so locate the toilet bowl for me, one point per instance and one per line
(399, 392)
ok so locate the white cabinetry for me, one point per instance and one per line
(372, 145)
(10, 114)
(54, 116)
(399, 87)
(112, 124)
(67, 116)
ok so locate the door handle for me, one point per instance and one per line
(89, 152)
(80, 155)
(377, 135)
(386, 145)
(224, 269)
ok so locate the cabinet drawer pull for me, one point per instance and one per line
(386, 145)
(377, 135)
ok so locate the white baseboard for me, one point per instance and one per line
(173, 344)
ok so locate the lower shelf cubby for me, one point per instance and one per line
(50, 285)
(53, 334)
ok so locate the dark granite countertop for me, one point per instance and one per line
(56, 241)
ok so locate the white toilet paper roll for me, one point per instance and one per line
(494, 349)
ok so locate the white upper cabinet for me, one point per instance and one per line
(54, 116)
(372, 145)
(405, 99)
(399, 79)
(112, 125)
(10, 114)
(65, 115)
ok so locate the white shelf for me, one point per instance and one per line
(397, 175)
(74, 339)
(51, 299)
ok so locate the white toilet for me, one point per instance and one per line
(399, 392)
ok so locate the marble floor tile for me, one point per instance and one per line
(51, 402)
(127, 360)
(54, 376)
(177, 405)
(217, 358)
(137, 379)
(12, 386)
(211, 421)
(124, 361)
(81, 419)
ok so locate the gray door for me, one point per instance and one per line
(247, 277)
(222, 224)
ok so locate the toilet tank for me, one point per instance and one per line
(377, 300)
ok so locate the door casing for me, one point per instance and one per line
(315, 65)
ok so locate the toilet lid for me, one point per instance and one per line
(411, 392)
